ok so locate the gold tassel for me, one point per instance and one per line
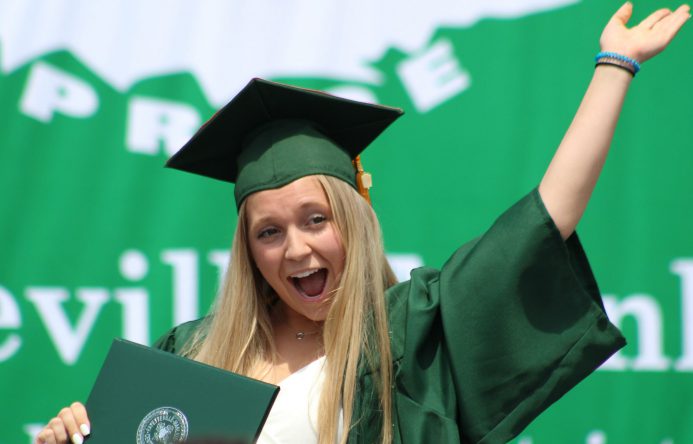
(364, 181)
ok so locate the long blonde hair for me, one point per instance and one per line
(238, 335)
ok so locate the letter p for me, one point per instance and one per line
(50, 90)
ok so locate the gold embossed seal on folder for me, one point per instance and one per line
(165, 425)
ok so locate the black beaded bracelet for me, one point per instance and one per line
(626, 68)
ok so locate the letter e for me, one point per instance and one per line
(433, 76)
(9, 318)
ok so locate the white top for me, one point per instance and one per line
(294, 415)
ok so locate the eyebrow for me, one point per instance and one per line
(262, 220)
(268, 218)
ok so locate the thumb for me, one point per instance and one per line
(623, 14)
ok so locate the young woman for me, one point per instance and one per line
(470, 353)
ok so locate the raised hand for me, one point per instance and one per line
(648, 38)
(575, 168)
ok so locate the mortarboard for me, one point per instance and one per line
(271, 134)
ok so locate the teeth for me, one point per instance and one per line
(305, 273)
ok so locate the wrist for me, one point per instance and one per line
(616, 78)
(617, 60)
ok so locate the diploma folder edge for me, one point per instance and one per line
(135, 379)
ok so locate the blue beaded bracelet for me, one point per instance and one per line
(613, 55)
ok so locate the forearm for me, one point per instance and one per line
(573, 172)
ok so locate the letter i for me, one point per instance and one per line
(134, 266)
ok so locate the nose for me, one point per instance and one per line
(297, 246)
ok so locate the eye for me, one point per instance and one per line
(316, 219)
(267, 232)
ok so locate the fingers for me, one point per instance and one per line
(623, 14)
(80, 413)
(646, 40)
(655, 17)
(46, 436)
(681, 14)
(686, 9)
(58, 429)
(53, 433)
(70, 426)
(670, 24)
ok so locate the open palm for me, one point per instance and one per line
(648, 38)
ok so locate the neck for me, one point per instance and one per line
(297, 339)
(287, 322)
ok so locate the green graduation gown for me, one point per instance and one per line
(511, 322)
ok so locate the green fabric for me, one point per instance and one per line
(512, 321)
(286, 150)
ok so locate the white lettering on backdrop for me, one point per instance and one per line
(184, 264)
(154, 125)
(642, 310)
(433, 76)
(50, 90)
(593, 437)
(10, 319)
(225, 43)
(647, 313)
(153, 121)
(69, 338)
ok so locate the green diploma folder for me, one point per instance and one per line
(148, 396)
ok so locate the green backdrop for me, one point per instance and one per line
(98, 240)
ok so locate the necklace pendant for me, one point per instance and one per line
(300, 335)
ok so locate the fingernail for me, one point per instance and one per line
(77, 439)
(85, 429)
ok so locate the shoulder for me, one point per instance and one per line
(175, 339)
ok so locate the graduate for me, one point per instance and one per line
(471, 353)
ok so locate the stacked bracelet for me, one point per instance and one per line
(618, 60)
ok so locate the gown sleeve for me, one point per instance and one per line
(512, 321)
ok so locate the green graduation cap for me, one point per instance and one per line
(271, 134)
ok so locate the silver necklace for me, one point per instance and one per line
(300, 335)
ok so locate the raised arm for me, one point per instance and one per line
(573, 172)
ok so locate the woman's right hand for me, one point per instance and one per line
(71, 425)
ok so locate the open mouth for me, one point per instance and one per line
(310, 284)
